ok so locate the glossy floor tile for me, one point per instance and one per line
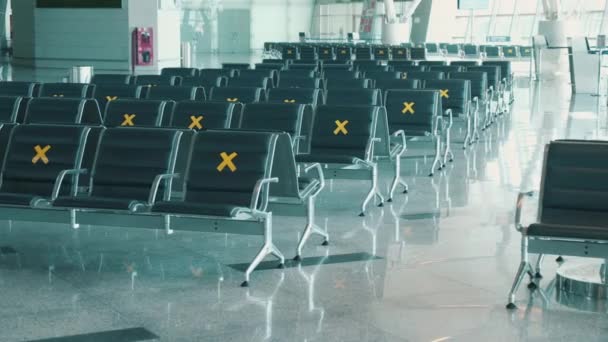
(434, 265)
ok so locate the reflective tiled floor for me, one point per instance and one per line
(435, 265)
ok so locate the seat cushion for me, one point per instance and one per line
(211, 209)
(325, 158)
(16, 199)
(94, 203)
(568, 232)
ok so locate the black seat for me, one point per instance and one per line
(176, 93)
(471, 50)
(368, 65)
(333, 74)
(398, 84)
(326, 52)
(10, 108)
(479, 82)
(273, 75)
(432, 63)
(136, 113)
(63, 111)
(418, 113)
(205, 115)
(400, 53)
(363, 53)
(409, 68)
(356, 83)
(215, 73)
(297, 73)
(69, 90)
(5, 133)
(364, 97)
(111, 79)
(573, 207)
(383, 75)
(465, 64)
(156, 80)
(418, 53)
(294, 95)
(494, 75)
(230, 94)
(301, 82)
(426, 75)
(344, 53)
(35, 158)
(25, 89)
(492, 51)
(181, 72)
(251, 81)
(105, 93)
(236, 66)
(126, 168)
(205, 82)
(381, 53)
(446, 69)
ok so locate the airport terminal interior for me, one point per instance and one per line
(303, 170)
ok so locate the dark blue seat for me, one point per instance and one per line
(273, 75)
(64, 111)
(408, 83)
(176, 93)
(298, 73)
(5, 133)
(99, 79)
(294, 95)
(355, 83)
(446, 69)
(270, 66)
(251, 81)
(465, 64)
(69, 90)
(215, 73)
(205, 115)
(432, 63)
(156, 80)
(364, 97)
(231, 94)
(471, 50)
(105, 93)
(344, 53)
(383, 75)
(301, 82)
(24, 89)
(400, 53)
(491, 51)
(426, 75)
(136, 113)
(418, 53)
(11, 107)
(205, 82)
(382, 53)
(236, 66)
(408, 68)
(363, 53)
(181, 72)
(126, 169)
(36, 157)
(326, 52)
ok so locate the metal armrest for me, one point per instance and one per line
(296, 140)
(156, 184)
(61, 177)
(401, 133)
(518, 208)
(370, 148)
(369, 164)
(438, 121)
(449, 113)
(320, 176)
(257, 192)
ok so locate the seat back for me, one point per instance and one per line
(236, 66)
(494, 74)
(409, 83)
(413, 111)
(454, 94)
(505, 67)
(304, 67)
(465, 64)
(181, 72)
(300, 82)
(36, 155)
(363, 53)
(363, 65)
(128, 161)
(333, 74)
(326, 52)
(232, 94)
(426, 75)
(418, 53)
(226, 165)
(111, 79)
(289, 52)
(105, 93)
(432, 63)
(479, 82)
(525, 51)
(492, 51)
(383, 75)
(409, 68)
(297, 73)
(470, 50)
(510, 51)
(273, 75)
(135, 113)
(156, 80)
(452, 49)
(69, 90)
(204, 115)
(5, 133)
(176, 93)
(10, 107)
(294, 119)
(573, 190)
(251, 81)
(447, 68)
(344, 53)
(215, 73)
(356, 83)
(364, 97)
(400, 53)
(25, 89)
(205, 82)
(270, 66)
(345, 131)
(401, 63)
(381, 53)
(63, 111)
(294, 95)
(431, 47)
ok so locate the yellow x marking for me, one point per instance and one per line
(289, 52)
(41, 154)
(111, 98)
(196, 122)
(408, 107)
(341, 127)
(326, 52)
(444, 93)
(289, 101)
(343, 52)
(232, 99)
(128, 120)
(381, 52)
(403, 75)
(58, 95)
(400, 52)
(227, 161)
(510, 51)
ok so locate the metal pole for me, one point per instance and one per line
(603, 17)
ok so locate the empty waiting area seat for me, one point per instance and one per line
(205, 81)
(358, 83)
(198, 115)
(11, 108)
(135, 113)
(408, 83)
(295, 95)
(243, 95)
(366, 97)
(301, 82)
(26, 89)
(111, 79)
(181, 72)
(176, 93)
(105, 93)
(73, 90)
(63, 111)
(156, 80)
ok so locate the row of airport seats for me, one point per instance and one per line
(342, 51)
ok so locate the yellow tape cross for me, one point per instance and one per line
(289, 52)
(326, 52)
(111, 98)
(510, 51)
(400, 52)
(41, 154)
(343, 52)
(232, 99)
(196, 122)
(128, 120)
(341, 127)
(381, 52)
(58, 95)
(227, 161)
(404, 75)
(289, 101)
(444, 93)
(408, 107)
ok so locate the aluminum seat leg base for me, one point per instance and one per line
(524, 268)
(267, 249)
